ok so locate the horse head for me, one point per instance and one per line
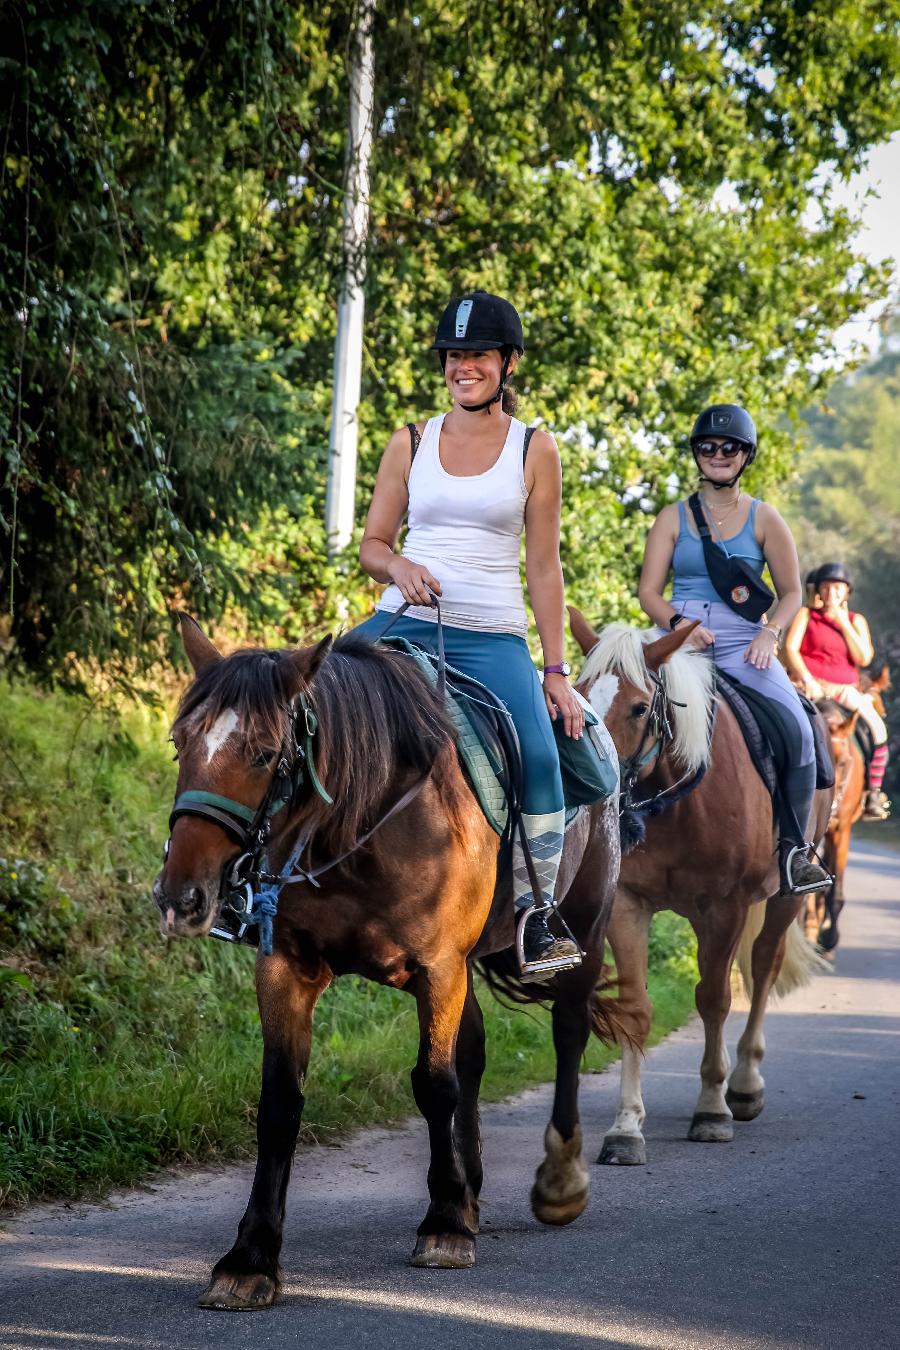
(841, 724)
(624, 682)
(234, 737)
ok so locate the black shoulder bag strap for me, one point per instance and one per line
(736, 584)
(415, 440)
(529, 432)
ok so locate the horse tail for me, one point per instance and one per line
(801, 959)
(610, 1020)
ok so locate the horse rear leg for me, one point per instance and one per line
(561, 1184)
(470, 1063)
(718, 932)
(247, 1277)
(446, 1239)
(632, 1013)
(746, 1089)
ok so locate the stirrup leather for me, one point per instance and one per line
(539, 970)
(790, 887)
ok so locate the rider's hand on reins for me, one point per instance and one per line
(701, 638)
(414, 581)
(561, 702)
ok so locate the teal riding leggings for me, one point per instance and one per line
(503, 662)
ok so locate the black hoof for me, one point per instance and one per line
(623, 1150)
(707, 1127)
(745, 1105)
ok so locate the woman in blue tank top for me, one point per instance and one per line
(723, 443)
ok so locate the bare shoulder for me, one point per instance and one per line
(543, 443)
(770, 523)
(668, 522)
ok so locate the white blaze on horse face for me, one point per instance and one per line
(219, 732)
(602, 692)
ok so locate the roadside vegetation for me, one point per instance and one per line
(119, 1052)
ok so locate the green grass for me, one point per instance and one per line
(120, 1053)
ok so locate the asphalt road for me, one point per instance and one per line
(787, 1237)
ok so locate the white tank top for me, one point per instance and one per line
(467, 531)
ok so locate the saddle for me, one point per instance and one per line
(488, 746)
(765, 727)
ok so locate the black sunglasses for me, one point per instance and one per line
(709, 449)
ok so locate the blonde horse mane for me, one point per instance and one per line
(690, 679)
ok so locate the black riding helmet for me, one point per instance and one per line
(481, 322)
(727, 420)
(833, 571)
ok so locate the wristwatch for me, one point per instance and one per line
(561, 668)
(675, 621)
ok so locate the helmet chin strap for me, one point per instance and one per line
(719, 486)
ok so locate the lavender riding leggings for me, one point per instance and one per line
(733, 635)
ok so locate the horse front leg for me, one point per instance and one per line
(562, 1183)
(470, 1064)
(623, 1143)
(446, 1239)
(836, 861)
(718, 933)
(247, 1277)
(746, 1088)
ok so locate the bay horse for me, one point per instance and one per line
(709, 855)
(824, 909)
(406, 894)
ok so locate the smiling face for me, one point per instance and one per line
(474, 377)
(718, 468)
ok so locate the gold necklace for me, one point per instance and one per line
(727, 512)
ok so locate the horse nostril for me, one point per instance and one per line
(195, 897)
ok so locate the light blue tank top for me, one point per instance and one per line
(691, 579)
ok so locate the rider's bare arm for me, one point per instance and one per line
(543, 571)
(377, 552)
(657, 561)
(793, 659)
(780, 553)
(856, 635)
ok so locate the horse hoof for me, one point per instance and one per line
(745, 1105)
(443, 1251)
(239, 1293)
(623, 1150)
(561, 1184)
(707, 1128)
(557, 1213)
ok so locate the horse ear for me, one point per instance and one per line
(657, 653)
(848, 726)
(581, 630)
(197, 646)
(304, 662)
(882, 680)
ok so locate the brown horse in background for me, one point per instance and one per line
(823, 909)
(710, 856)
(406, 895)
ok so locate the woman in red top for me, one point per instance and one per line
(825, 648)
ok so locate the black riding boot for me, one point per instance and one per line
(798, 874)
(541, 955)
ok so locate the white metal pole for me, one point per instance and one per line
(340, 496)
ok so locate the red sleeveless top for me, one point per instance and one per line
(824, 650)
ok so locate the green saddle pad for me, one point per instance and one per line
(587, 773)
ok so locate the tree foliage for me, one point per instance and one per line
(646, 184)
(845, 503)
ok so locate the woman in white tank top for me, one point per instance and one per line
(470, 482)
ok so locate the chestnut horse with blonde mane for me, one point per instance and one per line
(709, 856)
(405, 894)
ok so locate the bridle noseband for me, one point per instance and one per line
(657, 729)
(250, 829)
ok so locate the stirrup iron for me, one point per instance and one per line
(534, 971)
(810, 887)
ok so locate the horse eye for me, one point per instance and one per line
(263, 758)
(640, 709)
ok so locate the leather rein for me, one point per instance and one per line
(657, 730)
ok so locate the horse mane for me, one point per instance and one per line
(380, 724)
(690, 678)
